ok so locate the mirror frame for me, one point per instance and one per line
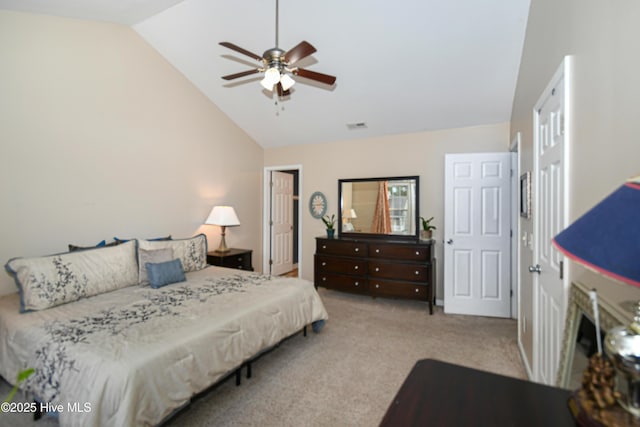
(353, 235)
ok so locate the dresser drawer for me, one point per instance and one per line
(239, 262)
(398, 271)
(234, 258)
(400, 252)
(391, 288)
(343, 283)
(340, 247)
(329, 264)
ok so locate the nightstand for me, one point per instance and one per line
(235, 258)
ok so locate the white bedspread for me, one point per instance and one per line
(134, 355)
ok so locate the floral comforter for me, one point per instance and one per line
(132, 356)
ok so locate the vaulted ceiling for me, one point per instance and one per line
(402, 66)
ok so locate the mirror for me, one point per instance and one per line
(379, 207)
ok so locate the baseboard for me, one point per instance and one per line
(525, 362)
(439, 302)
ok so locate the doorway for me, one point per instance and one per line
(281, 220)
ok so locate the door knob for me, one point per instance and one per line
(450, 242)
(535, 269)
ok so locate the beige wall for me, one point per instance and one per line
(401, 155)
(101, 137)
(603, 39)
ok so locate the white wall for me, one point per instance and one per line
(419, 154)
(603, 38)
(101, 137)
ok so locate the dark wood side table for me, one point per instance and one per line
(442, 394)
(235, 258)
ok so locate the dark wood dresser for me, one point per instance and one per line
(380, 268)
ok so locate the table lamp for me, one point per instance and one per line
(607, 239)
(223, 216)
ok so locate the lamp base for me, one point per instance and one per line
(222, 248)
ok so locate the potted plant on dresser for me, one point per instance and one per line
(330, 222)
(427, 229)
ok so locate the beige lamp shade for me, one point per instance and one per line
(223, 216)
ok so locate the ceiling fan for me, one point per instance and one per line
(276, 64)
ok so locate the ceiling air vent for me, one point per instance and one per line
(354, 126)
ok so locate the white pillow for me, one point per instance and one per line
(52, 280)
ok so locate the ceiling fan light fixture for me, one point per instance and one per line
(276, 64)
(286, 81)
(271, 77)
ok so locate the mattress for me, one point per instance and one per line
(132, 356)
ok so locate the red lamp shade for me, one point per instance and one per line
(607, 238)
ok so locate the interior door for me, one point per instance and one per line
(281, 223)
(477, 227)
(550, 287)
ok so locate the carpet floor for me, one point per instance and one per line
(347, 374)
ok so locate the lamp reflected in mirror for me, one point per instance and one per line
(347, 225)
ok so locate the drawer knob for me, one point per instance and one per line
(357, 249)
(417, 273)
(324, 263)
(324, 246)
(377, 251)
(418, 253)
(417, 290)
(357, 284)
(356, 267)
(239, 267)
(377, 269)
(324, 279)
(377, 286)
(240, 259)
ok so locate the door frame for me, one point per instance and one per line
(515, 225)
(266, 212)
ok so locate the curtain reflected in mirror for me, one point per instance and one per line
(382, 215)
(379, 206)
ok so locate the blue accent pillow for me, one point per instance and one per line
(102, 244)
(165, 273)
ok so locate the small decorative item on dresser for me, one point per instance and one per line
(330, 222)
(427, 228)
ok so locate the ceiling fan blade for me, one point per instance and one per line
(323, 78)
(301, 50)
(241, 50)
(241, 74)
(281, 91)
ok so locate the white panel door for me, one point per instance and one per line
(549, 219)
(281, 223)
(477, 223)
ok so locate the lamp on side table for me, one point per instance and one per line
(223, 216)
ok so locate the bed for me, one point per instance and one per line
(133, 355)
